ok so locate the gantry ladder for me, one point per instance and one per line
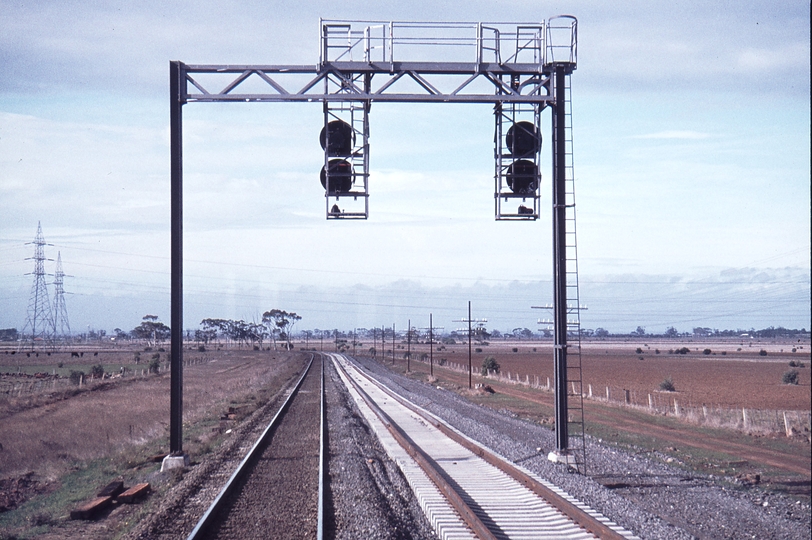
(575, 385)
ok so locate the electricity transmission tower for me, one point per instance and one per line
(39, 326)
(61, 323)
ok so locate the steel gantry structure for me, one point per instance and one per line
(519, 68)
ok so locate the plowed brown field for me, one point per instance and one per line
(737, 378)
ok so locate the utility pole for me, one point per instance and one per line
(409, 347)
(393, 344)
(431, 346)
(469, 345)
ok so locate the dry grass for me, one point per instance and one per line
(50, 435)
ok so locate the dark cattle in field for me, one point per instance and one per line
(74, 355)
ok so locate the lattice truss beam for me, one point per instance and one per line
(398, 82)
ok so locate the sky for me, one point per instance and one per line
(691, 128)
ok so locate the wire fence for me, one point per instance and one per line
(753, 421)
(22, 385)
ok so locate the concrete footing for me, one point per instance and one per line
(175, 462)
(560, 457)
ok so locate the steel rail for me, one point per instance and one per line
(322, 455)
(426, 463)
(579, 516)
(209, 517)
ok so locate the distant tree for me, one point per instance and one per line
(640, 331)
(281, 323)
(671, 332)
(601, 332)
(8, 334)
(151, 330)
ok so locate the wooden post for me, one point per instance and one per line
(676, 408)
(650, 402)
(608, 395)
(626, 396)
(787, 429)
(590, 390)
(744, 417)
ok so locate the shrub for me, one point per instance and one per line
(683, 350)
(515, 349)
(97, 371)
(424, 356)
(668, 385)
(201, 348)
(60, 364)
(490, 364)
(638, 350)
(372, 351)
(793, 363)
(154, 365)
(790, 377)
(449, 341)
(76, 376)
(762, 352)
(478, 349)
(156, 356)
(706, 351)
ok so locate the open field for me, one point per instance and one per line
(57, 447)
(728, 377)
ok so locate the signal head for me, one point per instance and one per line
(341, 176)
(341, 138)
(522, 177)
(523, 139)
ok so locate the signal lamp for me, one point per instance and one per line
(522, 176)
(341, 176)
(523, 139)
(341, 138)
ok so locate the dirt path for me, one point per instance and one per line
(619, 419)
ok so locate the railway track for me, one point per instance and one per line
(466, 490)
(277, 490)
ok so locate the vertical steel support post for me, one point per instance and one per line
(560, 261)
(177, 90)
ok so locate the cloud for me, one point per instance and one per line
(674, 134)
